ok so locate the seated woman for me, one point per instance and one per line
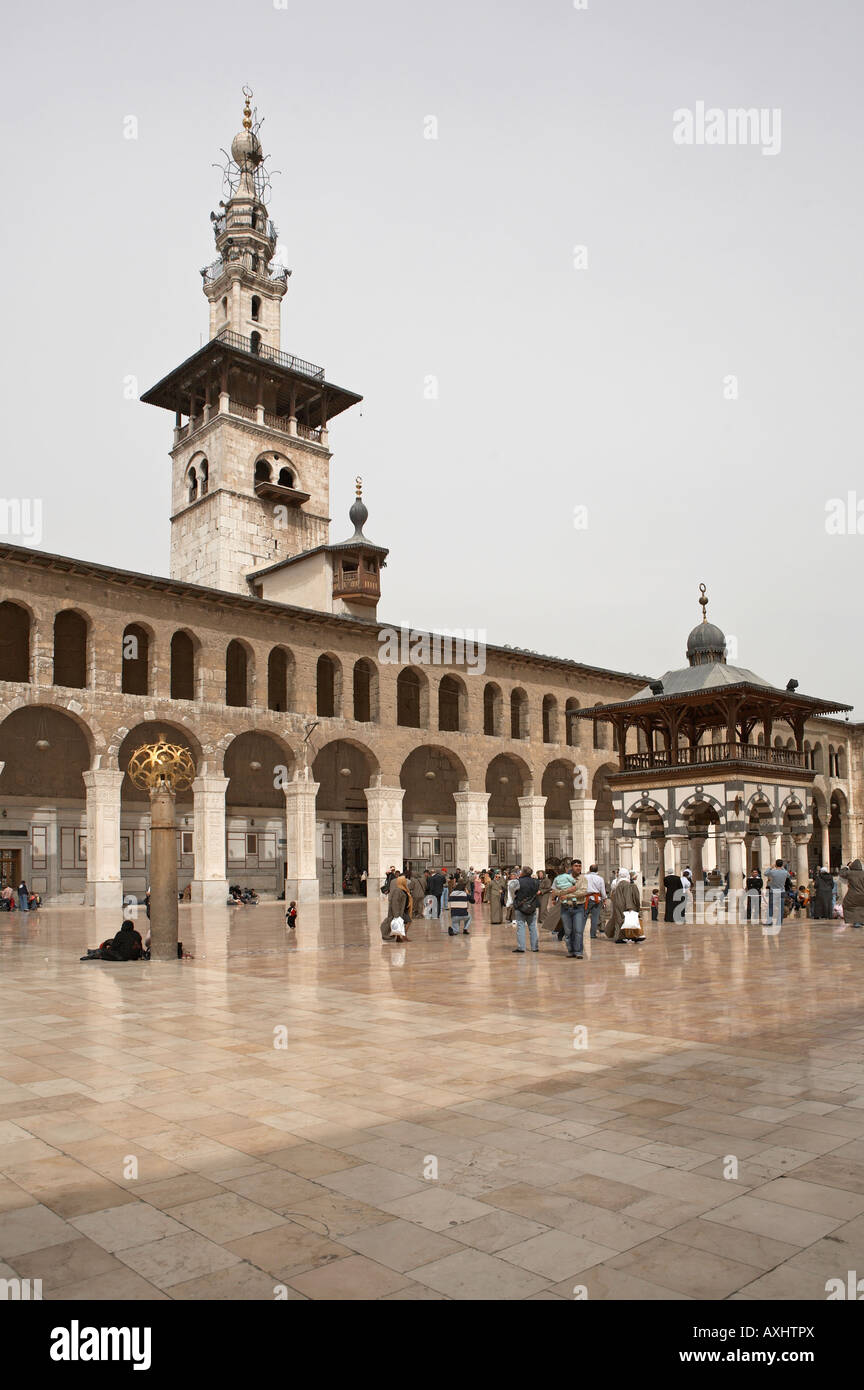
(126, 945)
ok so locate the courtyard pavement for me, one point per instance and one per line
(321, 1115)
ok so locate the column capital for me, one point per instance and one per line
(583, 803)
(103, 779)
(380, 796)
(531, 803)
(210, 783)
(478, 799)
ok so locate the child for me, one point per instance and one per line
(291, 915)
(655, 904)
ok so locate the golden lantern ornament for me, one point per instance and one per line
(161, 764)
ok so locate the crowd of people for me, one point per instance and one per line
(561, 900)
(20, 899)
(773, 896)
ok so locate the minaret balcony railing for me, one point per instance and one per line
(269, 354)
(210, 273)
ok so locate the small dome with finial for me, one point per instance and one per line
(358, 515)
(706, 643)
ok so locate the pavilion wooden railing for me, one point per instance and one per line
(715, 753)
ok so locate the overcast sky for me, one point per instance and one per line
(603, 387)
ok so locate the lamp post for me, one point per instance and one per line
(163, 769)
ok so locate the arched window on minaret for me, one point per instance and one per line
(205, 476)
(286, 477)
(193, 484)
(256, 307)
(255, 343)
(263, 472)
(225, 306)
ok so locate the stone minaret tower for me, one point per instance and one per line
(251, 462)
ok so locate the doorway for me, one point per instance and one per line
(10, 867)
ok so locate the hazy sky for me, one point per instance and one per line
(558, 388)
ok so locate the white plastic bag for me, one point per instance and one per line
(397, 926)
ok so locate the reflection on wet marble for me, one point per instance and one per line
(319, 1114)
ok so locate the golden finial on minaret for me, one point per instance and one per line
(247, 109)
(704, 603)
(358, 481)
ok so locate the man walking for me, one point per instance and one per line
(570, 890)
(594, 899)
(777, 881)
(526, 905)
(435, 886)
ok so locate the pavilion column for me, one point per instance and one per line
(582, 819)
(697, 844)
(735, 849)
(625, 845)
(826, 844)
(533, 830)
(301, 879)
(472, 829)
(209, 880)
(776, 841)
(104, 884)
(384, 821)
(802, 866)
(677, 850)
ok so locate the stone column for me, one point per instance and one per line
(386, 841)
(776, 842)
(735, 849)
(802, 867)
(532, 825)
(301, 879)
(209, 881)
(472, 829)
(826, 844)
(582, 814)
(104, 886)
(163, 875)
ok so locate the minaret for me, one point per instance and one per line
(244, 287)
(251, 457)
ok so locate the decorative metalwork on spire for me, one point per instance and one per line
(247, 109)
(703, 601)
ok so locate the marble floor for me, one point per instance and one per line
(321, 1115)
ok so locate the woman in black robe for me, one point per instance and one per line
(674, 897)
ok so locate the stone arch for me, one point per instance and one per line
(45, 749)
(557, 785)
(508, 776)
(183, 664)
(571, 722)
(412, 698)
(452, 704)
(135, 653)
(343, 768)
(150, 731)
(257, 763)
(280, 678)
(550, 719)
(519, 726)
(71, 648)
(328, 686)
(239, 673)
(430, 775)
(493, 710)
(276, 469)
(365, 692)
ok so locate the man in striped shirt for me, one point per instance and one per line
(459, 909)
